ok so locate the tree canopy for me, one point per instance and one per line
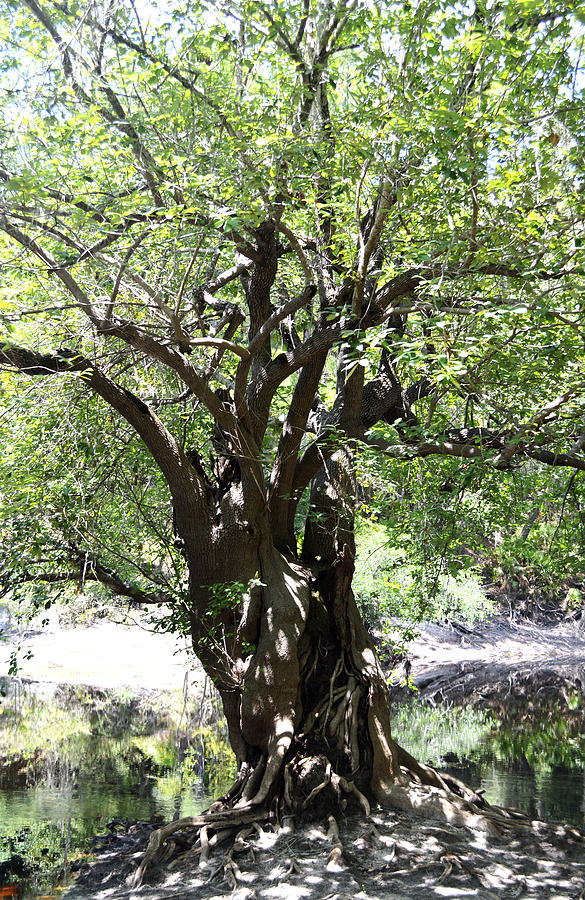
(422, 167)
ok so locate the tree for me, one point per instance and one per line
(266, 237)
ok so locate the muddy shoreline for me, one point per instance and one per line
(458, 663)
(447, 661)
(105, 655)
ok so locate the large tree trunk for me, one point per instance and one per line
(308, 713)
(313, 694)
(304, 695)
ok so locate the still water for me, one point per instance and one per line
(94, 757)
(70, 764)
(73, 761)
(530, 760)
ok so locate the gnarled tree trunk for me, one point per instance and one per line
(307, 709)
(312, 689)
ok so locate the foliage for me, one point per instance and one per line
(455, 526)
(62, 497)
(260, 238)
(389, 583)
(541, 557)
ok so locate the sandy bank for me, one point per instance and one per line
(106, 655)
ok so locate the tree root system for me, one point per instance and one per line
(234, 831)
(386, 855)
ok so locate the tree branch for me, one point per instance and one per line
(91, 570)
(117, 585)
(63, 197)
(407, 282)
(185, 484)
(287, 309)
(514, 443)
(221, 344)
(301, 256)
(118, 119)
(281, 499)
(126, 331)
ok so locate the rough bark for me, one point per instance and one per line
(309, 717)
(311, 693)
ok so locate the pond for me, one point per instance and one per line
(75, 761)
(72, 761)
(527, 759)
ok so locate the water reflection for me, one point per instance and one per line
(76, 761)
(525, 758)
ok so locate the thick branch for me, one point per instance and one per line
(221, 344)
(267, 379)
(260, 340)
(229, 275)
(382, 399)
(117, 585)
(369, 243)
(407, 282)
(187, 488)
(282, 501)
(91, 570)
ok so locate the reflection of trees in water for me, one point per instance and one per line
(77, 769)
(525, 758)
(72, 757)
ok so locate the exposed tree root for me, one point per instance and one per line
(221, 821)
(422, 791)
(334, 861)
(314, 723)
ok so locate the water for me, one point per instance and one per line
(99, 795)
(73, 762)
(521, 758)
(86, 760)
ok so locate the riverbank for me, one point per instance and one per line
(386, 857)
(112, 656)
(456, 663)
(106, 655)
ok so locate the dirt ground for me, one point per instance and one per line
(456, 662)
(387, 857)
